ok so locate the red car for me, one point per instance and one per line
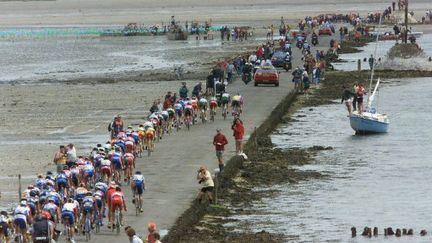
(325, 31)
(266, 75)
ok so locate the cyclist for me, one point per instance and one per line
(130, 144)
(171, 119)
(149, 137)
(100, 204)
(213, 105)
(117, 162)
(70, 213)
(111, 189)
(88, 204)
(203, 105)
(138, 186)
(4, 225)
(52, 209)
(178, 111)
(117, 201)
(225, 101)
(236, 104)
(194, 103)
(80, 193)
(88, 173)
(129, 164)
(189, 113)
(22, 217)
(106, 169)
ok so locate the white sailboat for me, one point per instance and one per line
(369, 120)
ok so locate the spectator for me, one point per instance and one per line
(133, 238)
(205, 178)
(238, 132)
(157, 237)
(71, 156)
(183, 92)
(151, 236)
(219, 141)
(60, 158)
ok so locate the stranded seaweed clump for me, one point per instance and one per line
(406, 56)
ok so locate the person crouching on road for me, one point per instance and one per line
(219, 141)
(204, 177)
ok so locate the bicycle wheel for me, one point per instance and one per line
(117, 221)
(87, 228)
(137, 204)
(97, 229)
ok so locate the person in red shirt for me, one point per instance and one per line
(238, 130)
(219, 141)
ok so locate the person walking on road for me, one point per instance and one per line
(238, 132)
(219, 141)
(205, 178)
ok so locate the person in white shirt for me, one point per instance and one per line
(133, 238)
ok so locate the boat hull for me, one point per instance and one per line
(367, 124)
(177, 35)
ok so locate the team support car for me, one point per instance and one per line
(278, 58)
(266, 75)
(325, 30)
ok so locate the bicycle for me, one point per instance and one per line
(212, 114)
(98, 221)
(117, 220)
(68, 233)
(87, 227)
(224, 111)
(138, 204)
(203, 116)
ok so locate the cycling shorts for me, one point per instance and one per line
(116, 202)
(235, 103)
(188, 112)
(139, 187)
(89, 173)
(62, 183)
(99, 203)
(106, 170)
(87, 208)
(70, 215)
(150, 135)
(21, 223)
(213, 104)
(4, 229)
(80, 197)
(129, 147)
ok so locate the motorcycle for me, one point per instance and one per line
(287, 65)
(315, 40)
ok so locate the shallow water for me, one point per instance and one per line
(350, 63)
(30, 57)
(377, 180)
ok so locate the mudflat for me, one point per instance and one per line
(93, 12)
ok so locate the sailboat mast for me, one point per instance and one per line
(406, 22)
(374, 60)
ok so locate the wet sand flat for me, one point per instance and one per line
(81, 12)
